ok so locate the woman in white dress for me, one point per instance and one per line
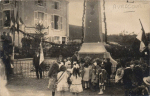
(62, 84)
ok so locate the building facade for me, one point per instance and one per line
(53, 14)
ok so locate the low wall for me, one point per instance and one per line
(25, 66)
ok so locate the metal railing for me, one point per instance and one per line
(25, 68)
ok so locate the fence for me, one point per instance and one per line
(25, 68)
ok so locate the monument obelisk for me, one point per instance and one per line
(93, 39)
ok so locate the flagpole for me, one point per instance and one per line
(14, 29)
(18, 23)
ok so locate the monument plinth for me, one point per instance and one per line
(93, 39)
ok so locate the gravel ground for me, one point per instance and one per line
(38, 87)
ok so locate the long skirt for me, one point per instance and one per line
(52, 84)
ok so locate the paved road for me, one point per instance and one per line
(38, 87)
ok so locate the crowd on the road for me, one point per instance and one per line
(74, 75)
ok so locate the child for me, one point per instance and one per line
(86, 76)
(94, 76)
(76, 86)
(52, 74)
(62, 77)
(60, 64)
(119, 74)
(68, 63)
(102, 78)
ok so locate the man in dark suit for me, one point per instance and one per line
(74, 58)
(127, 78)
(36, 64)
(108, 65)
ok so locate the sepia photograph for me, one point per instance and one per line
(74, 47)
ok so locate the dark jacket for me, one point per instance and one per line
(74, 58)
(36, 60)
(127, 77)
(138, 75)
(108, 67)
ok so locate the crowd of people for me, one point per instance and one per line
(85, 74)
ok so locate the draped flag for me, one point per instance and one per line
(41, 54)
(142, 38)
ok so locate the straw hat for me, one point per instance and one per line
(147, 80)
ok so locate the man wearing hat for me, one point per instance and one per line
(36, 59)
(74, 58)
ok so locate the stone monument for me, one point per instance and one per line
(93, 44)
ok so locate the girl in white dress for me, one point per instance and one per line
(86, 76)
(76, 86)
(62, 77)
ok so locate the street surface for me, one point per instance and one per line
(38, 87)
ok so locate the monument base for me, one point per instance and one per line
(94, 50)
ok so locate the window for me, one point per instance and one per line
(56, 5)
(6, 18)
(56, 39)
(1, 17)
(40, 17)
(56, 22)
(40, 2)
(63, 40)
(6, 1)
(45, 20)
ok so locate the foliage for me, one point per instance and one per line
(123, 51)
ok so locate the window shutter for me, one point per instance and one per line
(44, 2)
(52, 21)
(1, 17)
(59, 5)
(53, 5)
(61, 22)
(36, 2)
(35, 18)
(45, 20)
(10, 1)
(52, 39)
(58, 22)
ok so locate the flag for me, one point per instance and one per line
(21, 21)
(41, 54)
(142, 38)
(17, 21)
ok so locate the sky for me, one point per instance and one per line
(120, 15)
